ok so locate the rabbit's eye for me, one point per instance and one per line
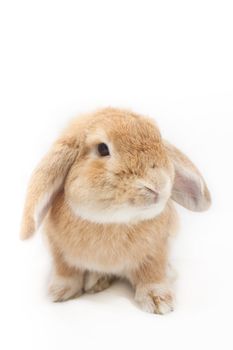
(103, 150)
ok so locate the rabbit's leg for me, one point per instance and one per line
(66, 282)
(153, 290)
(95, 282)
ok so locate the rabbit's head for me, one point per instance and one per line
(114, 167)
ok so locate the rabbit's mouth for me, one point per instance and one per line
(141, 200)
(126, 213)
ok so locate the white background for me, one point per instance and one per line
(172, 60)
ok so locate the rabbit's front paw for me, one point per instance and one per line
(154, 298)
(64, 288)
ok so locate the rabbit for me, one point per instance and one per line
(105, 193)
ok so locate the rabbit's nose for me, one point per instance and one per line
(153, 193)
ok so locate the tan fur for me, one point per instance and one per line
(91, 205)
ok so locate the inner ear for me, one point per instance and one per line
(188, 190)
(46, 200)
(189, 187)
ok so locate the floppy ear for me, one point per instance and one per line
(46, 181)
(189, 188)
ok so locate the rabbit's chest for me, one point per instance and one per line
(112, 251)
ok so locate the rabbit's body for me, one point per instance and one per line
(116, 248)
(105, 190)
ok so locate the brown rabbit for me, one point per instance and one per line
(105, 193)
